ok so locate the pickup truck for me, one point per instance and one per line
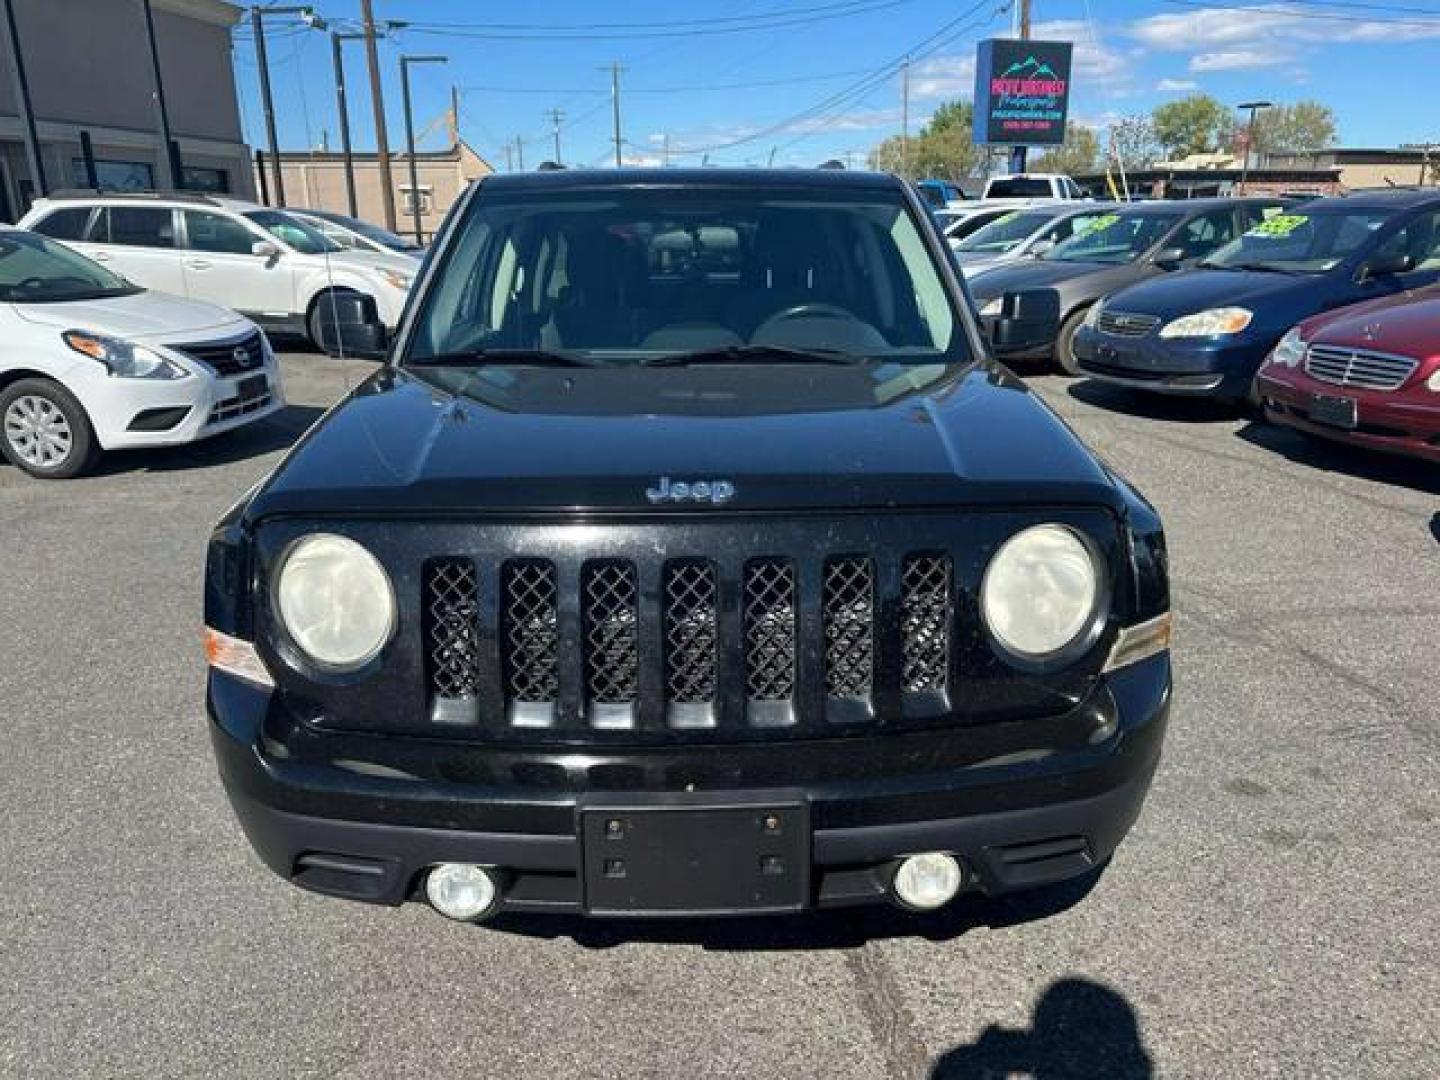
(1032, 186)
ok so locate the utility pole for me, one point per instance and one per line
(615, 70)
(22, 100)
(377, 98)
(1022, 31)
(509, 156)
(665, 151)
(170, 167)
(519, 154)
(454, 116)
(405, 62)
(555, 117)
(905, 118)
(337, 56)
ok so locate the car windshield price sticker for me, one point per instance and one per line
(1099, 224)
(1279, 226)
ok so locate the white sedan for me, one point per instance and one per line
(90, 362)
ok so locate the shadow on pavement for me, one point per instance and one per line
(1081, 1030)
(1168, 407)
(277, 432)
(1357, 461)
(829, 929)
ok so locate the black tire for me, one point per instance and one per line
(318, 311)
(1065, 343)
(45, 432)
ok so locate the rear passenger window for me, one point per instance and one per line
(214, 232)
(66, 224)
(1204, 234)
(135, 226)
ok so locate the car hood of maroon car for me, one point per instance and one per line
(1407, 324)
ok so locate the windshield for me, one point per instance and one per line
(34, 270)
(1113, 238)
(304, 238)
(1308, 243)
(383, 237)
(1006, 232)
(628, 276)
(1018, 187)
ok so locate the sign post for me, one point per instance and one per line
(1022, 93)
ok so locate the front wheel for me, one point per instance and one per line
(1065, 343)
(44, 430)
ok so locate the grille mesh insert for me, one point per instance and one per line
(770, 630)
(849, 628)
(690, 632)
(531, 632)
(925, 618)
(612, 652)
(452, 631)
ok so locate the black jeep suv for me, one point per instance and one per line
(690, 555)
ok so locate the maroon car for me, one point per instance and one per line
(1368, 375)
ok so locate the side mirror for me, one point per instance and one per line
(1385, 265)
(350, 323)
(1027, 320)
(264, 249)
(1169, 258)
(1040, 247)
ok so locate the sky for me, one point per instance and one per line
(738, 82)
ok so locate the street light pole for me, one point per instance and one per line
(1253, 107)
(340, 103)
(405, 62)
(262, 61)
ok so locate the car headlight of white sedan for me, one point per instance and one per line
(335, 602)
(1216, 322)
(1041, 592)
(122, 359)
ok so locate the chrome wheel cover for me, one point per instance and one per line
(37, 432)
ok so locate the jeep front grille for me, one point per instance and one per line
(614, 644)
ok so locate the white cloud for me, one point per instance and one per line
(1177, 86)
(1239, 60)
(1272, 26)
(1095, 63)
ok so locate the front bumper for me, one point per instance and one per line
(1192, 366)
(341, 816)
(1393, 422)
(206, 405)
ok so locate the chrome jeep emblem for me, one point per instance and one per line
(715, 492)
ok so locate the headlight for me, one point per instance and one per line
(1040, 591)
(1092, 316)
(397, 279)
(335, 601)
(992, 307)
(1290, 351)
(1433, 382)
(122, 359)
(1212, 323)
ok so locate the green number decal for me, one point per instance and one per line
(1279, 226)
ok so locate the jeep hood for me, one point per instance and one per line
(786, 437)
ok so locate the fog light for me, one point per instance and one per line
(925, 882)
(461, 890)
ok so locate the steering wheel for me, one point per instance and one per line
(811, 310)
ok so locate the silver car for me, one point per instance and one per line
(1030, 231)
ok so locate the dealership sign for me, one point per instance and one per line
(1022, 92)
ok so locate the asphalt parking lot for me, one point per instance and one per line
(1274, 912)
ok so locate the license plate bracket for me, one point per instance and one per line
(692, 859)
(1334, 411)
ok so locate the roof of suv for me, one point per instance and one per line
(559, 179)
(161, 198)
(1385, 199)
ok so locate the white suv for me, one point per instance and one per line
(265, 263)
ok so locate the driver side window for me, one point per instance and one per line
(1419, 240)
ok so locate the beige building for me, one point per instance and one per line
(87, 64)
(317, 180)
(1368, 168)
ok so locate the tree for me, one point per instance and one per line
(1078, 154)
(943, 148)
(1306, 125)
(1135, 142)
(1197, 124)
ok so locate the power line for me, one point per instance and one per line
(791, 80)
(1293, 12)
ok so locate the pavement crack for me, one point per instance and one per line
(889, 1019)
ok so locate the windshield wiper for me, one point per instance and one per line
(750, 354)
(518, 357)
(1260, 267)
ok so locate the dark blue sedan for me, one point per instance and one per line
(1208, 331)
